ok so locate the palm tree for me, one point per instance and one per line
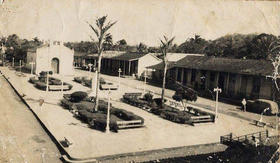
(164, 47)
(101, 34)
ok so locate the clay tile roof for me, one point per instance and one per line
(238, 66)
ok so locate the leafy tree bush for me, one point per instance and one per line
(66, 104)
(55, 82)
(40, 85)
(78, 96)
(33, 80)
(183, 94)
(84, 105)
(148, 97)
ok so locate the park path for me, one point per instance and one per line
(91, 144)
(22, 139)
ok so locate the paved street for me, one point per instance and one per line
(22, 139)
(157, 133)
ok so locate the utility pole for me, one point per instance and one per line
(217, 90)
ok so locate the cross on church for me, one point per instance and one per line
(217, 90)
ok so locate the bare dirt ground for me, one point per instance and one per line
(22, 139)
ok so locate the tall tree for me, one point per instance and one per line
(108, 43)
(184, 94)
(263, 46)
(100, 31)
(142, 48)
(164, 47)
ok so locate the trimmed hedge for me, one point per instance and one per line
(98, 120)
(78, 96)
(55, 82)
(87, 81)
(66, 104)
(78, 79)
(84, 105)
(33, 80)
(40, 85)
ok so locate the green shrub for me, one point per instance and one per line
(176, 116)
(78, 96)
(98, 120)
(33, 80)
(87, 82)
(55, 82)
(148, 97)
(44, 73)
(85, 105)
(40, 85)
(78, 79)
(66, 104)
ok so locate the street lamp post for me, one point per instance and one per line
(108, 113)
(47, 82)
(62, 79)
(20, 65)
(92, 80)
(13, 64)
(145, 80)
(119, 71)
(217, 90)
(90, 67)
(89, 70)
(32, 64)
(244, 103)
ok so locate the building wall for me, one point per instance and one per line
(266, 88)
(45, 55)
(233, 85)
(145, 61)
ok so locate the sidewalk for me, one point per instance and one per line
(91, 144)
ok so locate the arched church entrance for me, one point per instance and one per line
(55, 65)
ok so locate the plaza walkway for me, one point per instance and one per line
(89, 143)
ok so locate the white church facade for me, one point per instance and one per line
(52, 56)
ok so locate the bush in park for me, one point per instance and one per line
(175, 115)
(33, 80)
(183, 94)
(78, 79)
(85, 105)
(55, 82)
(78, 96)
(66, 104)
(148, 97)
(41, 85)
(98, 120)
(44, 73)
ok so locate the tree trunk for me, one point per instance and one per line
(97, 82)
(163, 83)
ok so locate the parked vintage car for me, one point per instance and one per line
(259, 105)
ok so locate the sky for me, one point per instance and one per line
(138, 20)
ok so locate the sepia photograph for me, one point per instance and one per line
(146, 81)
